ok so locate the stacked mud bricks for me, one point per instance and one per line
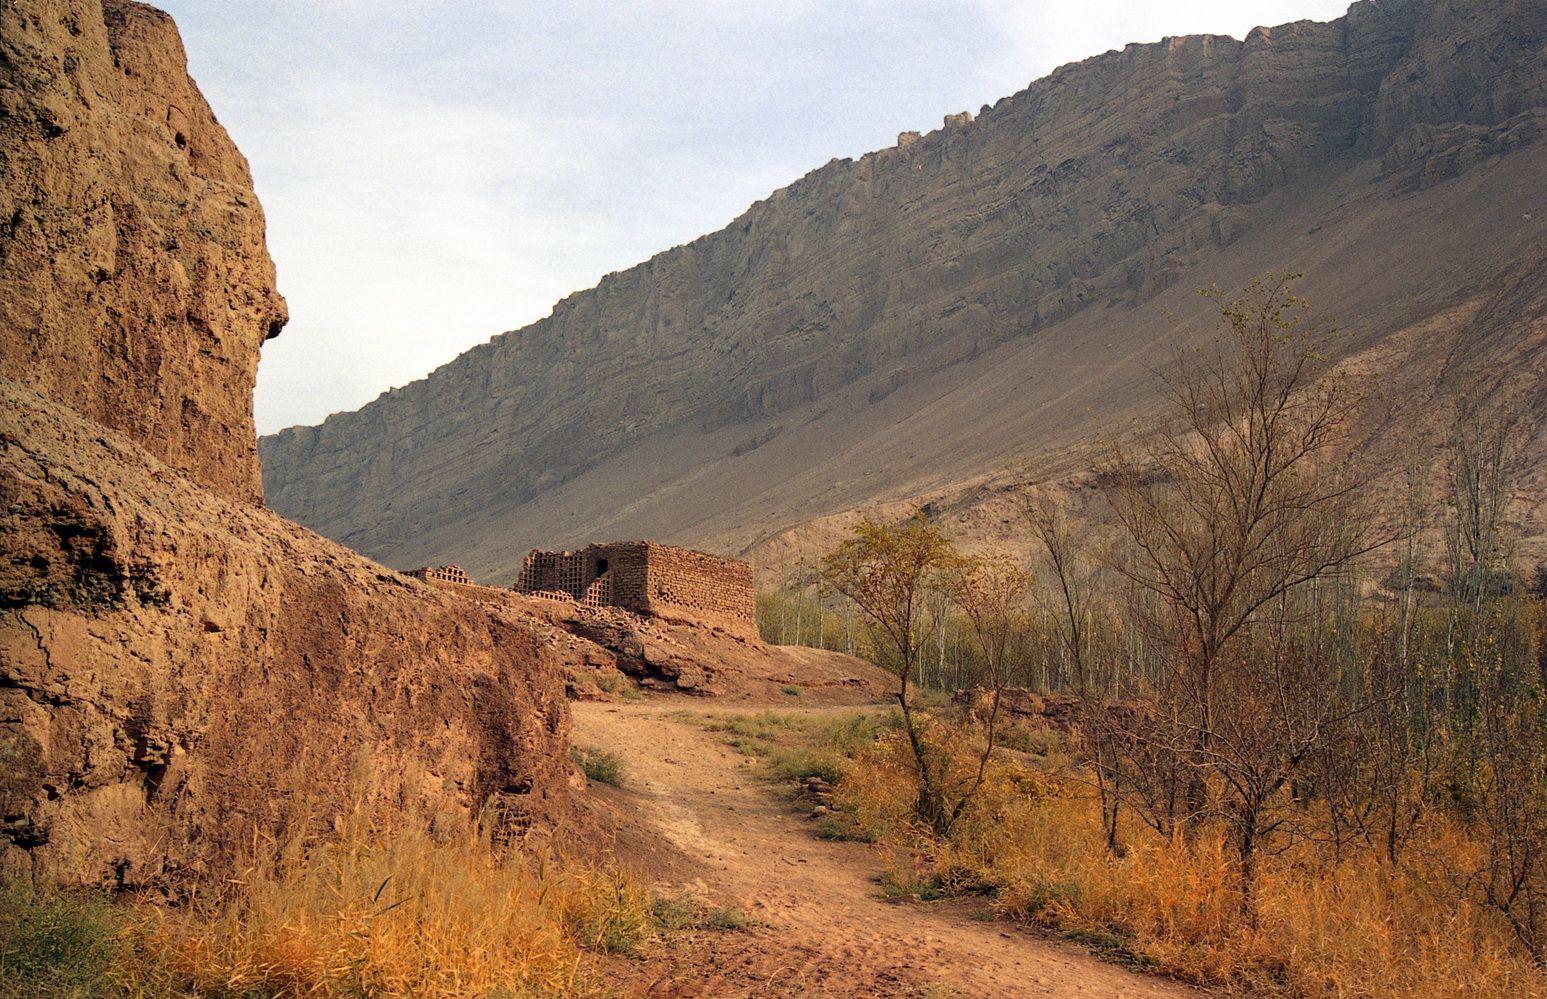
(441, 574)
(648, 578)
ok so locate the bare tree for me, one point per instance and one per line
(1495, 687)
(1482, 465)
(1070, 567)
(1244, 499)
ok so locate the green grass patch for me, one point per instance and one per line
(756, 735)
(849, 736)
(763, 725)
(798, 764)
(840, 827)
(57, 945)
(598, 765)
(1111, 944)
(1044, 896)
(901, 884)
(679, 914)
(746, 745)
(792, 690)
(612, 682)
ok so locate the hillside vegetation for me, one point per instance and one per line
(1209, 748)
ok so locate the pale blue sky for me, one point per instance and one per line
(436, 173)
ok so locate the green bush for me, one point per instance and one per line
(798, 764)
(899, 884)
(599, 765)
(685, 914)
(1044, 895)
(842, 828)
(848, 737)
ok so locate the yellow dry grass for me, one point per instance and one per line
(406, 914)
(1323, 928)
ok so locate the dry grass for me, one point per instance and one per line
(1353, 928)
(371, 914)
(412, 916)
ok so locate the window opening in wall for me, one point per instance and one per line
(601, 566)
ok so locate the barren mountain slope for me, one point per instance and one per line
(896, 326)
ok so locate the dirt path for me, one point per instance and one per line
(828, 933)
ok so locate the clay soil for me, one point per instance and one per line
(706, 825)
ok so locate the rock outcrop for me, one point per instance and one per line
(182, 670)
(179, 671)
(1094, 191)
(134, 282)
(691, 658)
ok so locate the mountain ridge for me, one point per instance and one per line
(1102, 185)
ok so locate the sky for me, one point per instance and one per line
(435, 173)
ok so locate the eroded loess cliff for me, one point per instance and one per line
(182, 670)
(134, 281)
(178, 672)
(1093, 191)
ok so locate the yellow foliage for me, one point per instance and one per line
(1322, 928)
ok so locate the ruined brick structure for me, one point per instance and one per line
(648, 578)
(441, 574)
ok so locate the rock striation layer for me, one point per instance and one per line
(181, 670)
(1097, 188)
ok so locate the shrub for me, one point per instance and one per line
(679, 914)
(840, 827)
(598, 765)
(798, 764)
(909, 884)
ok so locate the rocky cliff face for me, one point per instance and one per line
(180, 669)
(134, 283)
(1096, 189)
(179, 672)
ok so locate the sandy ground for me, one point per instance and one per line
(826, 931)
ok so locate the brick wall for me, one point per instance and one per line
(647, 578)
(699, 584)
(441, 574)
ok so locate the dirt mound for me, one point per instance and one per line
(608, 649)
(667, 656)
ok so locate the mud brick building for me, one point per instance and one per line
(648, 578)
(441, 574)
